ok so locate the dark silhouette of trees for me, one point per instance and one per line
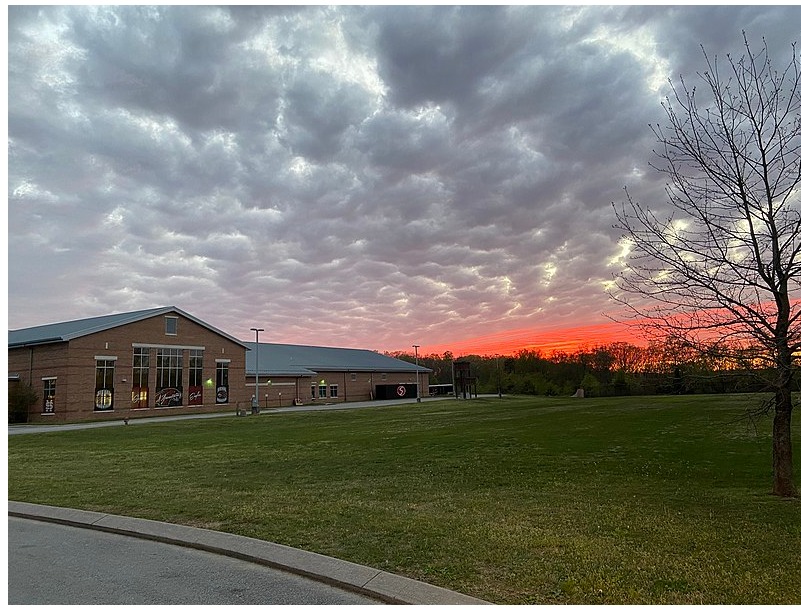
(722, 267)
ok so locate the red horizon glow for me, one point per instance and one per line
(563, 339)
(547, 341)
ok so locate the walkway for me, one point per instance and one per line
(24, 429)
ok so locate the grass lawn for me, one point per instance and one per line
(516, 500)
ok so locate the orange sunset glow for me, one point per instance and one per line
(545, 340)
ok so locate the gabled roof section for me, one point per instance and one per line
(69, 330)
(297, 360)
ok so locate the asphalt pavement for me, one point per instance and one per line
(56, 564)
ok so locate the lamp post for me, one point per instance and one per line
(417, 371)
(498, 366)
(255, 405)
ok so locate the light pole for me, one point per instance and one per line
(255, 406)
(417, 371)
(498, 366)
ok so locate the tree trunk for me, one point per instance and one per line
(783, 484)
(782, 445)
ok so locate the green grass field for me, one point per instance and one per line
(517, 500)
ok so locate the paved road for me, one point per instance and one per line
(54, 564)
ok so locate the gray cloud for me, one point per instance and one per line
(357, 176)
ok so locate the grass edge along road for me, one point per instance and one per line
(517, 500)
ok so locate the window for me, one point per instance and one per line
(312, 391)
(139, 382)
(383, 376)
(104, 385)
(196, 377)
(49, 393)
(353, 376)
(322, 390)
(222, 382)
(171, 326)
(169, 377)
(334, 390)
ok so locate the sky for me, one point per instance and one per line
(368, 177)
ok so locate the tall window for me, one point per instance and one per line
(313, 387)
(104, 385)
(222, 382)
(139, 383)
(196, 377)
(334, 390)
(321, 389)
(169, 377)
(49, 393)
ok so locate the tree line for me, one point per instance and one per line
(615, 369)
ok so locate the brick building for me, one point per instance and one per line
(139, 363)
(290, 374)
(165, 361)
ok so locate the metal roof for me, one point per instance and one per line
(297, 360)
(69, 330)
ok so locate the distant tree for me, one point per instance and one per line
(724, 264)
(591, 385)
(626, 357)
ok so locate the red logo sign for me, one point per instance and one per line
(401, 391)
(195, 395)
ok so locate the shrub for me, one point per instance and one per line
(21, 398)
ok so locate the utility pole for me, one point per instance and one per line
(255, 406)
(498, 366)
(417, 371)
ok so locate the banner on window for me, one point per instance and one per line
(168, 397)
(195, 395)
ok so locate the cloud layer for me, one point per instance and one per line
(369, 177)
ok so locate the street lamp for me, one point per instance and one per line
(417, 371)
(255, 405)
(498, 366)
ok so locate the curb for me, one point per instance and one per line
(384, 586)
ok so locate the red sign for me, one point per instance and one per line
(195, 395)
(401, 391)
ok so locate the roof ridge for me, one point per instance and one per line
(96, 318)
(64, 331)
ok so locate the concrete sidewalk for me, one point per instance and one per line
(26, 429)
(384, 586)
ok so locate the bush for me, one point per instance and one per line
(21, 398)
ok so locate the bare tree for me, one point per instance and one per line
(722, 267)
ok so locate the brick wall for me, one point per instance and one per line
(350, 386)
(34, 364)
